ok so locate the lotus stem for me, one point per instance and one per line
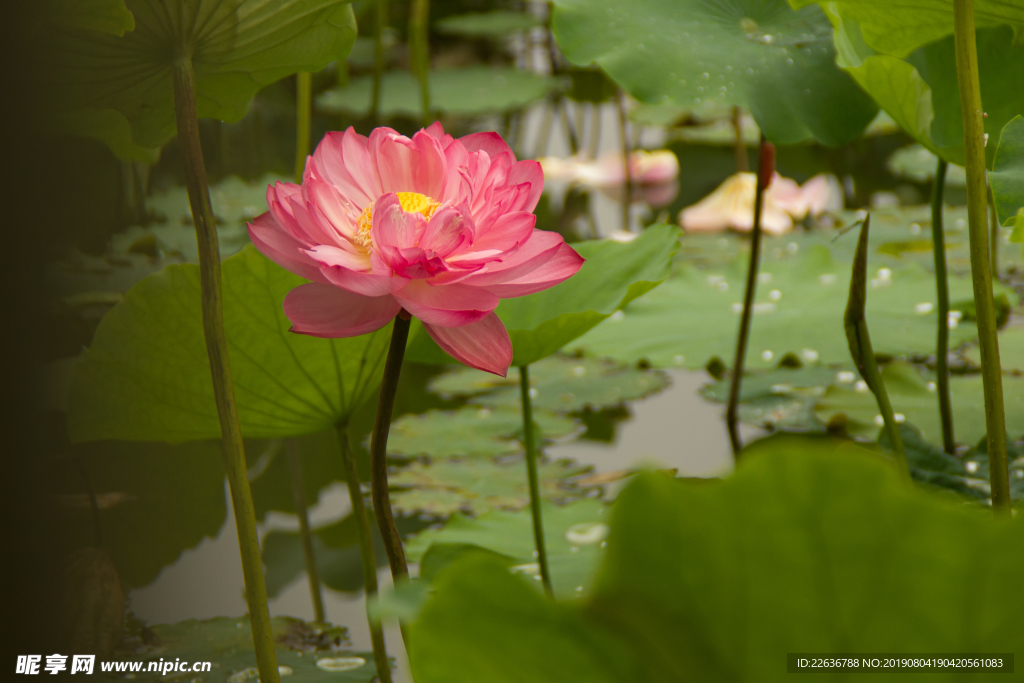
(530, 444)
(303, 113)
(862, 352)
(994, 220)
(739, 144)
(220, 369)
(627, 152)
(419, 44)
(981, 273)
(942, 294)
(366, 553)
(379, 448)
(302, 512)
(766, 167)
(378, 60)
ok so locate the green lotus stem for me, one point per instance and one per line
(766, 158)
(302, 512)
(860, 347)
(981, 274)
(994, 220)
(739, 144)
(303, 113)
(378, 60)
(217, 351)
(379, 448)
(942, 294)
(530, 443)
(369, 559)
(627, 172)
(419, 49)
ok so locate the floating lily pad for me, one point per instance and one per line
(573, 536)
(691, 565)
(614, 274)
(782, 398)
(237, 47)
(469, 91)
(1011, 350)
(913, 396)
(146, 375)
(1007, 177)
(778, 62)
(494, 24)
(470, 431)
(559, 383)
(307, 651)
(798, 309)
(444, 487)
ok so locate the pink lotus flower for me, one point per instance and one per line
(439, 227)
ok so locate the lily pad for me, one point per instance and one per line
(306, 650)
(469, 91)
(778, 62)
(237, 47)
(146, 375)
(782, 398)
(798, 309)
(1011, 350)
(1007, 177)
(558, 383)
(470, 431)
(573, 537)
(920, 91)
(614, 274)
(848, 558)
(913, 396)
(494, 24)
(443, 487)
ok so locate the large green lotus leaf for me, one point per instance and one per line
(443, 487)
(495, 24)
(237, 47)
(914, 397)
(146, 376)
(573, 537)
(468, 91)
(1007, 177)
(227, 644)
(920, 92)
(796, 552)
(614, 274)
(154, 500)
(470, 431)
(558, 383)
(108, 16)
(757, 53)
(798, 309)
(898, 27)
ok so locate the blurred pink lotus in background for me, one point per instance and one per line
(646, 168)
(439, 227)
(731, 205)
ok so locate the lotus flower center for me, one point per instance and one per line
(411, 202)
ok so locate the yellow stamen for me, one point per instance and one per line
(411, 202)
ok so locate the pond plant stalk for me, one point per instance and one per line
(765, 169)
(942, 295)
(863, 354)
(419, 49)
(530, 444)
(981, 273)
(303, 114)
(627, 152)
(379, 448)
(217, 352)
(378, 60)
(366, 553)
(305, 533)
